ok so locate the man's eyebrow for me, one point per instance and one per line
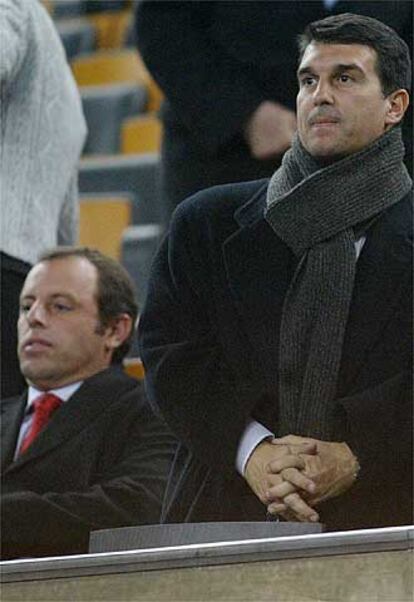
(348, 67)
(53, 296)
(67, 296)
(303, 70)
(336, 69)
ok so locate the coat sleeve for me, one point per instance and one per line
(210, 91)
(128, 491)
(189, 378)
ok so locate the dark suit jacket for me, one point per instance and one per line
(102, 461)
(217, 61)
(210, 337)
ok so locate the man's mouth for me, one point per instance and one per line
(323, 120)
(36, 344)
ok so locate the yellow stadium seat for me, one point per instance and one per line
(111, 27)
(134, 367)
(48, 4)
(116, 66)
(141, 134)
(102, 221)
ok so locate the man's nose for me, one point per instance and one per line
(36, 314)
(323, 93)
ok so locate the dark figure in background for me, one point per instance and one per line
(284, 307)
(102, 460)
(228, 73)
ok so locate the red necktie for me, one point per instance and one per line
(44, 406)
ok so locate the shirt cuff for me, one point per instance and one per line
(252, 435)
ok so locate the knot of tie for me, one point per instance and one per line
(43, 408)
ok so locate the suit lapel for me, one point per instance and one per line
(12, 411)
(76, 414)
(382, 272)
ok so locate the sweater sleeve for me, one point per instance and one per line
(14, 19)
(69, 214)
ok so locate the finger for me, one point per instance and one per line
(293, 440)
(298, 479)
(303, 447)
(289, 516)
(277, 508)
(280, 491)
(290, 439)
(281, 510)
(300, 508)
(285, 462)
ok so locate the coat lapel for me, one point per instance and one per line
(12, 411)
(76, 414)
(258, 268)
(383, 269)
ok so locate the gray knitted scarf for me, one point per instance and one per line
(319, 213)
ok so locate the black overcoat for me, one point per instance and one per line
(210, 336)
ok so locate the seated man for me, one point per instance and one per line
(102, 459)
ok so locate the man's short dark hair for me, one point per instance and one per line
(393, 64)
(115, 294)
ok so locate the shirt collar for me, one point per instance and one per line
(62, 392)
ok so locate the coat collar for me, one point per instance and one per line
(12, 412)
(253, 210)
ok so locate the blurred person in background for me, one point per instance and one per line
(227, 70)
(42, 132)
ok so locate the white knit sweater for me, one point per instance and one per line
(42, 132)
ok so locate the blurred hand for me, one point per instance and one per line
(269, 130)
(264, 471)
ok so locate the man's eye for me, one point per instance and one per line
(308, 81)
(61, 307)
(25, 307)
(344, 78)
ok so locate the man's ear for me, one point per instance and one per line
(398, 102)
(118, 331)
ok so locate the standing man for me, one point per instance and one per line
(81, 449)
(283, 307)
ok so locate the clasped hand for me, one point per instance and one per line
(293, 474)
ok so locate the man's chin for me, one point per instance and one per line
(326, 153)
(37, 376)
